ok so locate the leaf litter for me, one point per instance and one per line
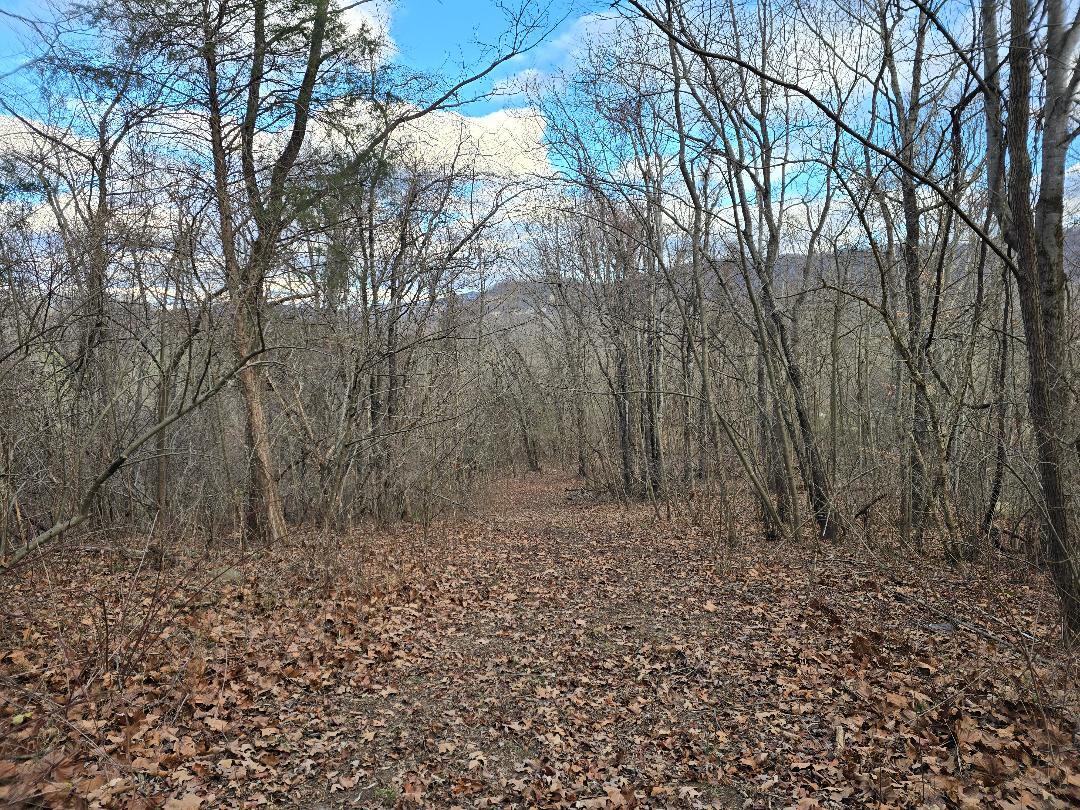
(548, 651)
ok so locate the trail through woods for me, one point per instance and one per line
(569, 653)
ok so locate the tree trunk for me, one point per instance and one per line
(1038, 244)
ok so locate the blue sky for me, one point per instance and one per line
(442, 35)
(430, 35)
(11, 46)
(428, 32)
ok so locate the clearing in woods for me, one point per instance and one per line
(570, 653)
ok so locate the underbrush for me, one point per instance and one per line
(99, 639)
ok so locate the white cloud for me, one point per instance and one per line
(505, 143)
(1072, 195)
(558, 54)
(585, 30)
(371, 17)
(523, 84)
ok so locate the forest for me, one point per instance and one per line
(658, 403)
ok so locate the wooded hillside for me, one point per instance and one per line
(687, 420)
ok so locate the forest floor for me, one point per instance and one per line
(550, 650)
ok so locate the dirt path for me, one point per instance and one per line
(572, 653)
(589, 655)
(576, 653)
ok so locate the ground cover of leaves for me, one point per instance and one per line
(548, 651)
